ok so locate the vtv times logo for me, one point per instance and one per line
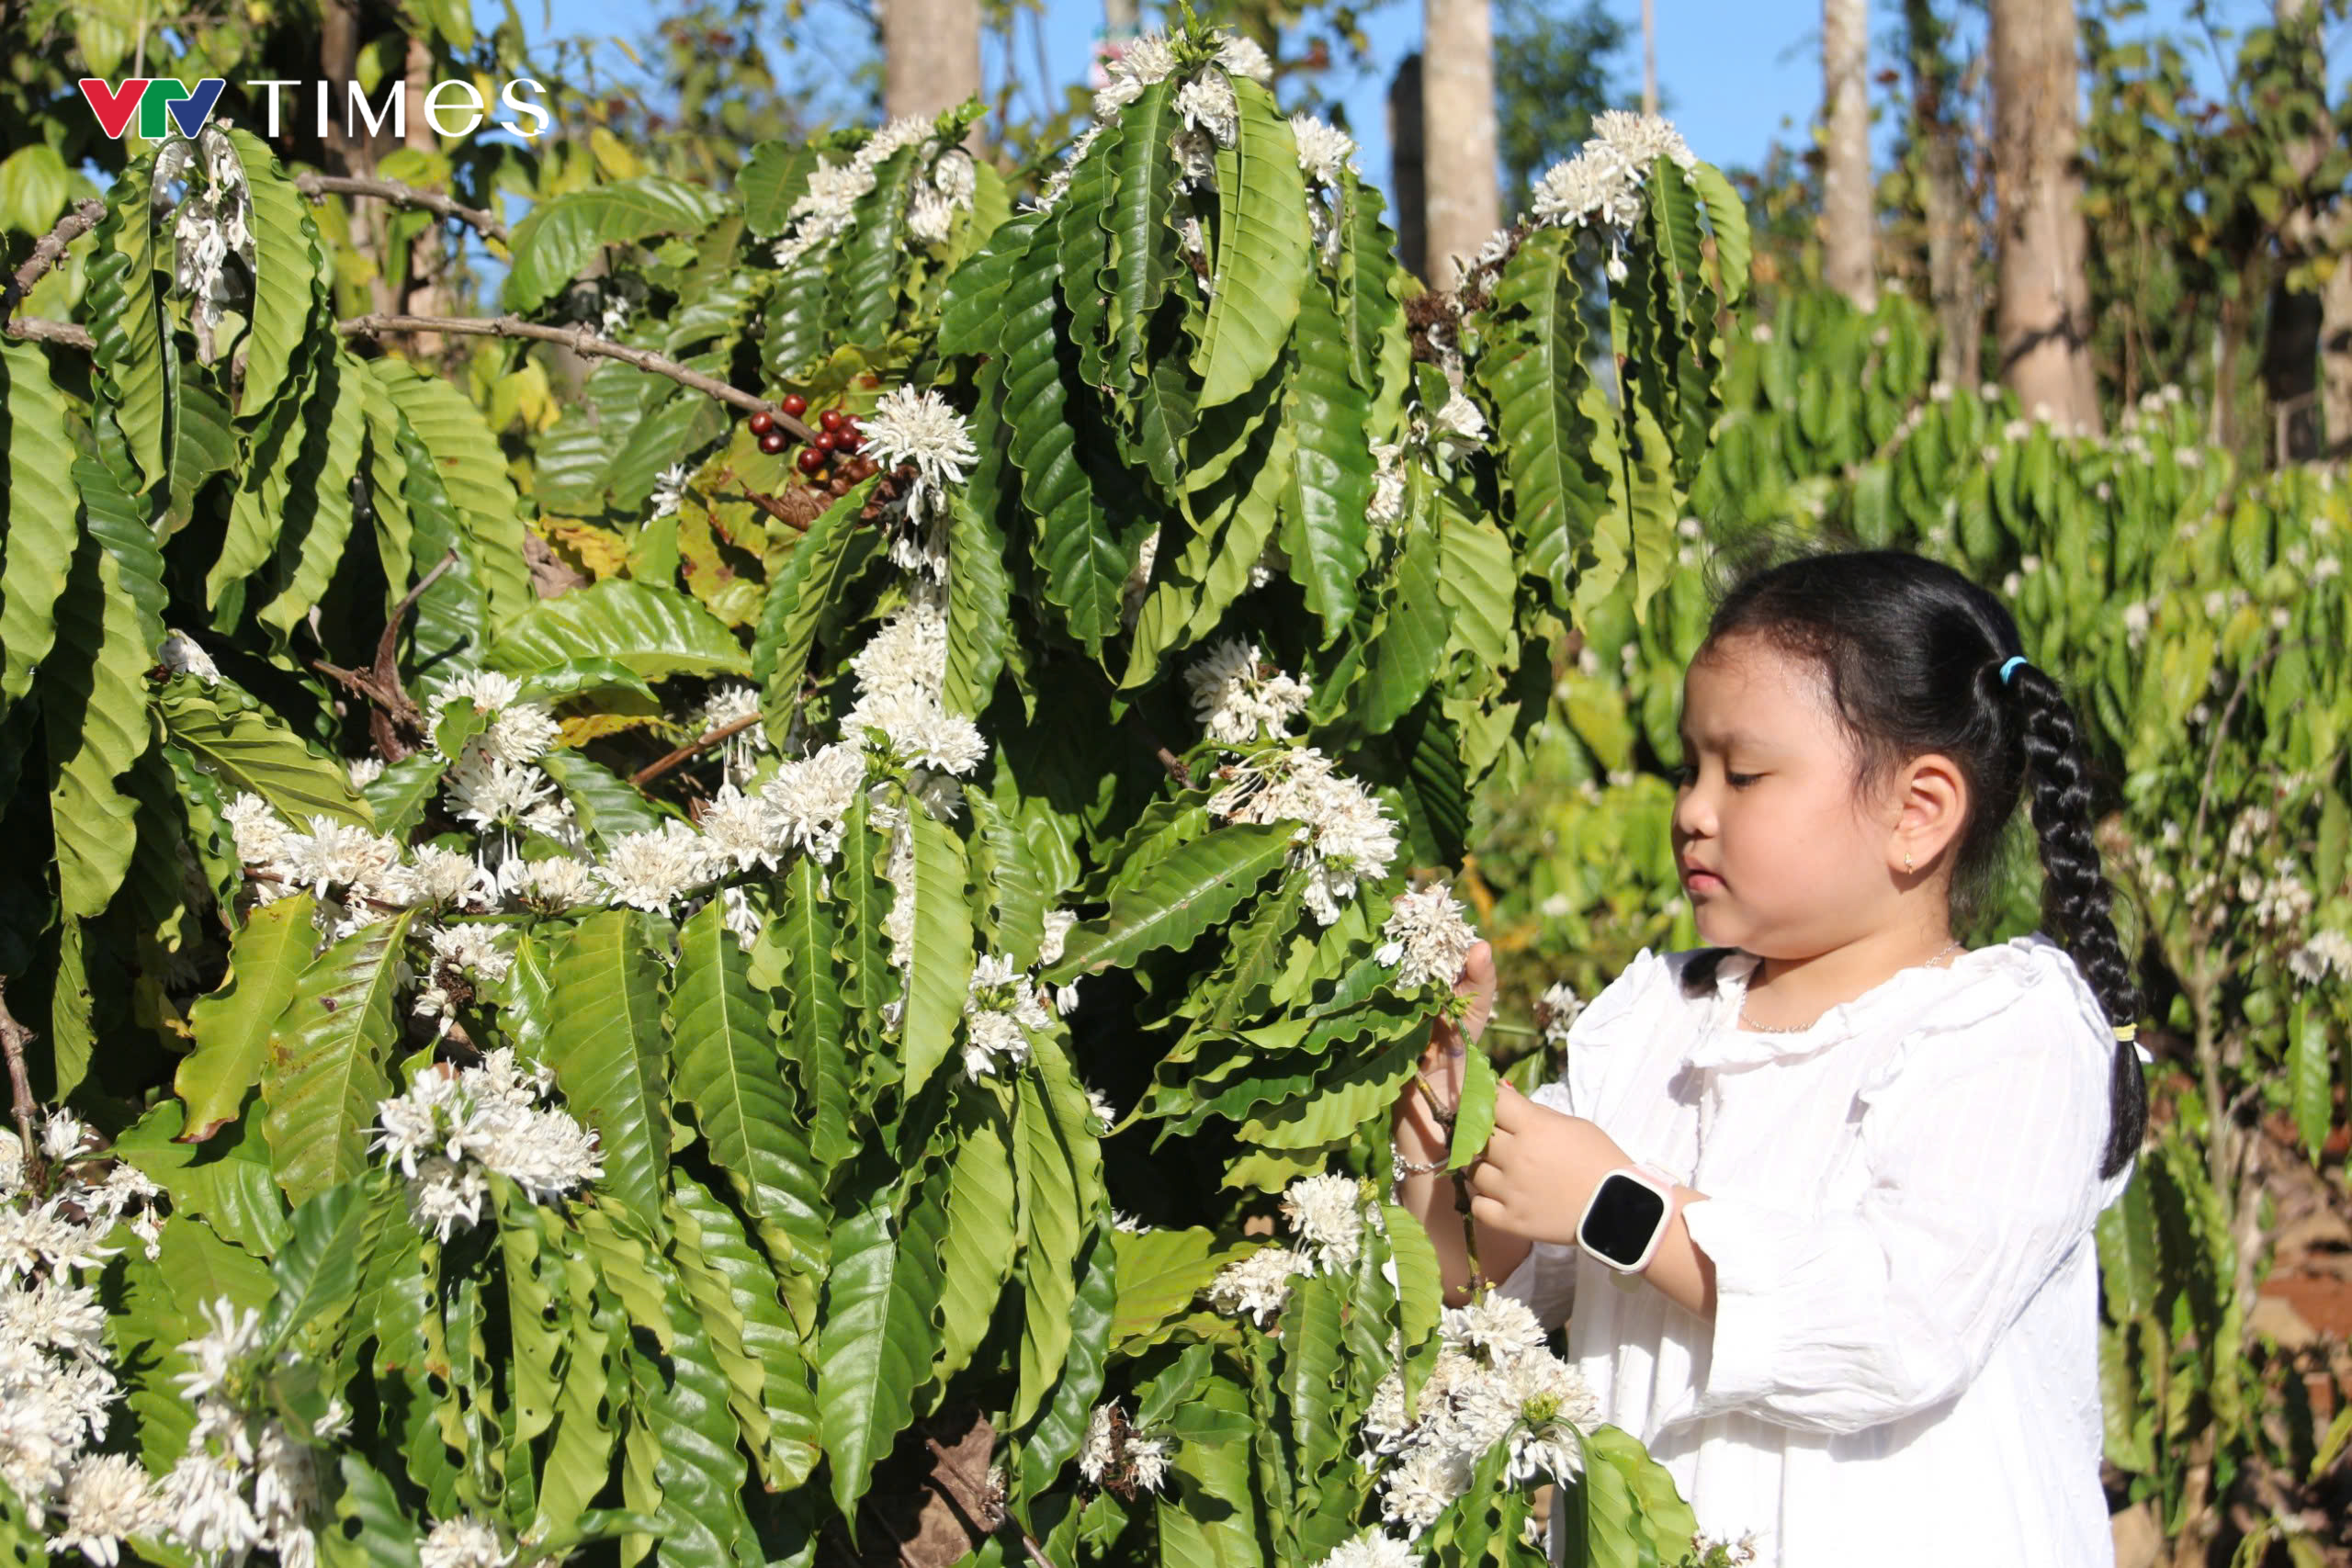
(164, 103)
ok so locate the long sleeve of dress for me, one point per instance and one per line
(1982, 1143)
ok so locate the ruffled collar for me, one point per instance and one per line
(1721, 1042)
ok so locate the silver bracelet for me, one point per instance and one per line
(1400, 1167)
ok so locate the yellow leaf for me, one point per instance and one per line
(581, 728)
(599, 552)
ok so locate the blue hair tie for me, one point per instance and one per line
(2010, 665)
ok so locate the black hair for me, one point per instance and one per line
(1913, 653)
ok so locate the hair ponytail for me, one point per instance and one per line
(2077, 899)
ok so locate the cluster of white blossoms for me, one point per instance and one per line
(730, 703)
(1240, 699)
(1601, 185)
(1344, 834)
(940, 184)
(213, 223)
(1374, 1549)
(1556, 1010)
(1426, 937)
(1604, 179)
(922, 428)
(464, 958)
(901, 677)
(455, 1128)
(1327, 1215)
(2327, 953)
(1493, 1383)
(57, 1390)
(1458, 428)
(247, 1483)
(464, 1542)
(1000, 1008)
(1005, 1005)
(1116, 1456)
(1205, 102)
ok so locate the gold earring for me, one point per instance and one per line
(1907, 862)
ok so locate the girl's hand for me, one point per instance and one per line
(1419, 1135)
(1540, 1169)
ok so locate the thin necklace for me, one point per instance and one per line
(1801, 1028)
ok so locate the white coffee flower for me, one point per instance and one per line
(1258, 1284)
(1556, 1009)
(921, 733)
(1058, 924)
(1326, 1212)
(739, 831)
(464, 1543)
(1139, 63)
(653, 870)
(1057, 183)
(259, 831)
(1497, 1327)
(668, 490)
(108, 1499)
(1459, 423)
(557, 883)
(1344, 833)
(809, 800)
(1243, 56)
(922, 428)
(1001, 1009)
(1426, 937)
(1147, 1463)
(231, 1335)
(1238, 697)
(1374, 1549)
(2328, 953)
(1325, 153)
(1099, 1450)
(1206, 104)
(435, 876)
(1641, 139)
(522, 732)
(204, 1498)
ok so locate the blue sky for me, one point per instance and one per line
(1737, 74)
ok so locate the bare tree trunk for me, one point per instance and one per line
(1408, 175)
(1847, 223)
(1464, 199)
(427, 260)
(357, 150)
(2292, 341)
(2043, 318)
(2335, 345)
(1951, 219)
(931, 55)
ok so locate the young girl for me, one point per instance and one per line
(1847, 1293)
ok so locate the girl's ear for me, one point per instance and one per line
(1931, 807)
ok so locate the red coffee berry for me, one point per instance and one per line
(832, 419)
(762, 422)
(811, 460)
(794, 404)
(773, 442)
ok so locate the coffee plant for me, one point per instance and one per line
(585, 978)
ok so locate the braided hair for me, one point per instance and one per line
(1913, 653)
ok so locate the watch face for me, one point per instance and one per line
(1623, 1217)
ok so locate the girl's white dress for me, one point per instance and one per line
(1902, 1367)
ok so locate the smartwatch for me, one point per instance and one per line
(1626, 1217)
